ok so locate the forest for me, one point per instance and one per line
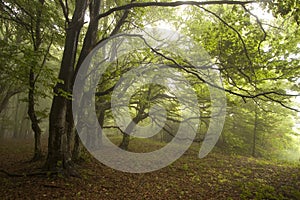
(150, 99)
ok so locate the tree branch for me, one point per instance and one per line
(65, 10)
(260, 25)
(121, 21)
(44, 60)
(240, 37)
(171, 4)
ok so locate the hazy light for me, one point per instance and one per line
(262, 14)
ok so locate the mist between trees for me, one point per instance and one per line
(44, 43)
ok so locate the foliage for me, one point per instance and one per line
(258, 61)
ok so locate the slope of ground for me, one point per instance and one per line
(217, 176)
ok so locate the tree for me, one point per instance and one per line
(10, 82)
(235, 39)
(34, 21)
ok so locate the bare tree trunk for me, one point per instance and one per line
(126, 137)
(27, 130)
(255, 132)
(94, 136)
(34, 121)
(70, 128)
(61, 127)
(101, 123)
(59, 155)
(77, 148)
(32, 80)
(88, 44)
(76, 153)
(17, 124)
(6, 99)
(25, 124)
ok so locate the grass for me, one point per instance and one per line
(217, 176)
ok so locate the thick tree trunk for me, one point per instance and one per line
(76, 154)
(91, 34)
(88, 44)
(77, 148)
(59, 155)
(56, 155)
(94, 135)
(70, 128)
(61, 126)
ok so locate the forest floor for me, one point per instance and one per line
(216, 176)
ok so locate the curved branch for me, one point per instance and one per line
(238, 34)
(65, 10)
(260, 25)
(170, 4)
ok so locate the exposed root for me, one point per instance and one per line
(37, 157)
(41, 173)
(64, 173)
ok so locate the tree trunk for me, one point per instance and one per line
(125, 142)
(25, 127)
(126, 135)
(34, 120)
(88, 44)
(101, 123)
(59, 155)
(77, 148)
(94, 136)
(17, 124)
(27, 130)
(31, 101)
(76, 154)
(6, 99)
(255, 132)
(70, 128)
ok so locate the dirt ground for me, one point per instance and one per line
(216, 176)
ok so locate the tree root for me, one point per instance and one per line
(41, 173)
(36, 158)
(68, 171)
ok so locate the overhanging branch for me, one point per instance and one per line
(170, 4)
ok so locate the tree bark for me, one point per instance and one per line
(37, 41)
(88, 44)
(6, 99)
(59, 156)
(77, 148)
(34, 120)
(101, 123)
(17, 125)
(126, 135)
(255, 131)
(70, 128)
